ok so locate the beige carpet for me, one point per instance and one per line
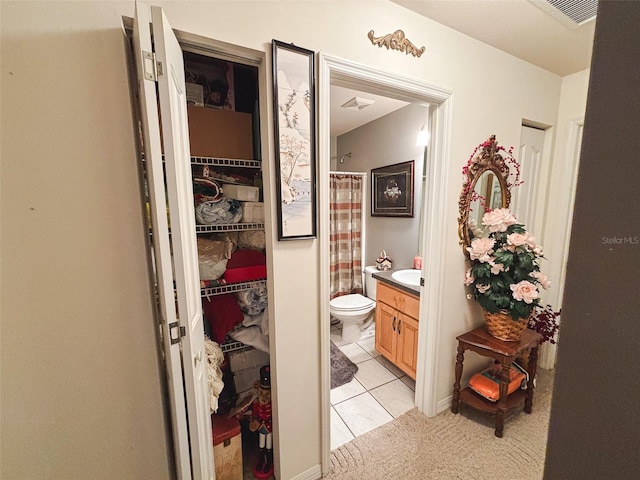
(448, 446)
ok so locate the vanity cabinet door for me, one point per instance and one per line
(407, 349)
(386, 337)
(397, 327)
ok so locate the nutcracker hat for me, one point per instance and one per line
(265, 376)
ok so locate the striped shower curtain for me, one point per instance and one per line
(345, 233)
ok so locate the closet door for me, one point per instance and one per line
(171, 94)
(161, 244)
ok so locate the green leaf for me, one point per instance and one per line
(516, 228)
(504, 257)
(481, 270)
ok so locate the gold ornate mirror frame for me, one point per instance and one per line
(486, 158)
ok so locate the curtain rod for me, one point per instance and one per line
(346, 173)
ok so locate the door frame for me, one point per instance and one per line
(352, 74)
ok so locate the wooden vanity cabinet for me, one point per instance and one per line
(397, 316)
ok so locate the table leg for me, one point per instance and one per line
(502, 401)
(456, 386)
(532, 368)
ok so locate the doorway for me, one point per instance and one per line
(335, 71)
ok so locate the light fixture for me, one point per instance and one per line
(423, 137)
(357, 103)
(345, 156)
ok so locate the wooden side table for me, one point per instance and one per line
(480, 341)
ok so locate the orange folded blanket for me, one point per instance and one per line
(487, 382)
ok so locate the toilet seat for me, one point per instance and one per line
(351, 303)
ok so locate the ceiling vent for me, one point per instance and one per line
(572, 13)
(357, 103)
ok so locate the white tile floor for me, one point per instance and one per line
(379, 392)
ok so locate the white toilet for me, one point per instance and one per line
(355, 311)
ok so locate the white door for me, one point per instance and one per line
(523, 201)
(171, 94)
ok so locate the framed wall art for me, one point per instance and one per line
(392, 190)
(294, 107)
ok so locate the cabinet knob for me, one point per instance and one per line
(399, 323)
(394, 324)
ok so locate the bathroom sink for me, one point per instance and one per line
(408, 277)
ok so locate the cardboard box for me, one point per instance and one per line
(241, 192)
(227, 448)
(220, 133)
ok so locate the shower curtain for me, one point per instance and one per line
(345, 233)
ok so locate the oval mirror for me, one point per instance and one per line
(484, 189)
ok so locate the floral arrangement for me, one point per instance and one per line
(545, 321)
(505, 272)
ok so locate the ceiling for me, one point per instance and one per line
(528, 29)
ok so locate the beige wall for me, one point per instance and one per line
(80, 376)
(388, 140)
(81, 386)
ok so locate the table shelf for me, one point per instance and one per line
(471, 398)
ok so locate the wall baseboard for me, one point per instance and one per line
(444, 404)
(314, 473)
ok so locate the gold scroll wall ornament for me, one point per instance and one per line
(396, 41)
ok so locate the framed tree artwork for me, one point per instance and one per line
(392, 190)
(294, 109)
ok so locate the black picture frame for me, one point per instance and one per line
(295, 140)
(392, 190)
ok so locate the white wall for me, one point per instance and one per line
(388, 140)
(560, 191)
(79, 355)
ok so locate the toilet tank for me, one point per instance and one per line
(370, 282)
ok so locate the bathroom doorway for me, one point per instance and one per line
(359, 78)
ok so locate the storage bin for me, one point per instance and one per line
(252, 212)
(241, 192)
(227, 448)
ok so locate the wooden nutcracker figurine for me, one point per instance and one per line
(261, 423)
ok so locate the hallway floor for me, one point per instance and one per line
(379, 392)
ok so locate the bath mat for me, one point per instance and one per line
(342, 369)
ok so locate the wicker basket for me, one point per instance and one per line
(503, 327)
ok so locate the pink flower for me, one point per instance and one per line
(536, 249)
(518, 239)
(542, 279)
(525, 291)
(498, 220)
(468, 277)
(481, 249)
(496, 268)
(482, 288)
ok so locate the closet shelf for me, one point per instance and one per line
(233, 287)
(225, 162)
(233, 346)
(218, 162)
(229, 227)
